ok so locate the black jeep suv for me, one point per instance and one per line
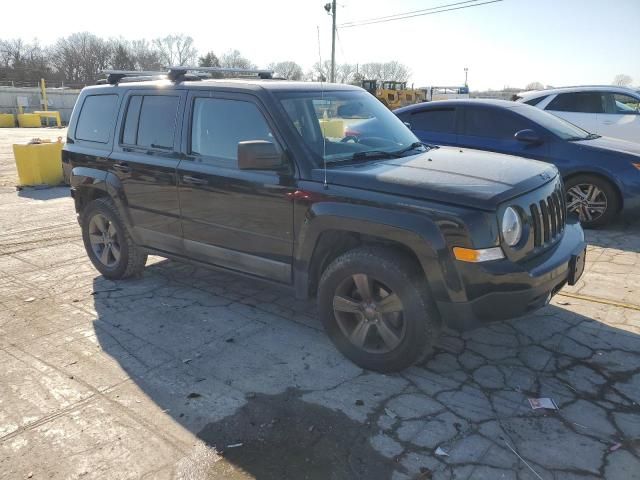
(262, 177)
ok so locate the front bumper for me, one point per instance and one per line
(503, 289)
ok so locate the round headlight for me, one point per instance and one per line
(511, 227)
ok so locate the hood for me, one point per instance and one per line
(611, 144)
(465, 177)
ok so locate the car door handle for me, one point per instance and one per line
(609, 122)
(122, 167)
(194, 180)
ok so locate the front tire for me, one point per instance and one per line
(376, 308)
(108, 242)
(593, 199)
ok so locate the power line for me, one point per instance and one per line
(398, 17)
(409, 13)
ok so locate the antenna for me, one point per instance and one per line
(324, 139)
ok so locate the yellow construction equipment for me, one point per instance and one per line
(39, 162)
(393, 94)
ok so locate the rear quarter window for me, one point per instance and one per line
(97, 118)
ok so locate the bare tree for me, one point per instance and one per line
(122, 55)
(234, 59)
(289, 70)
(387, 71)
(176, 49)
(345, 72)
(146, 57)
(80, 57)
(622, 80)
(534, 86)
(209, 60)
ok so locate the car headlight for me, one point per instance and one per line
(511, 227)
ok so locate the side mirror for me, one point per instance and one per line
(407, 124)
(259, 155)
(528, 136)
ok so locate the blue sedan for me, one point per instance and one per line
(602, 175)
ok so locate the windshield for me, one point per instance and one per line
(556, 125)
(339, 126)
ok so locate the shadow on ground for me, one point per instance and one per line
(622, 234)
(44, 193)
(236, 361)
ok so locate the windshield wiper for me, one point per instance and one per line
(415, 145)
(366, 155)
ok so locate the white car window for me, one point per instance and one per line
(625, 104)
(580, 102)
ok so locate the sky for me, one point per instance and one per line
(506, 44)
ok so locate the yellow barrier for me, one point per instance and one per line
(49, 114)
(39, 163)
(333, 127)
(7, 120)
(29, 120)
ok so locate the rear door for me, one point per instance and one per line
(621, 117)
(433, 125)
(238, 219)
(145, 158)
(579, 108)
(493, 129)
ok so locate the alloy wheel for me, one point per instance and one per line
(104, 239)
(587, 200)
(369, 314)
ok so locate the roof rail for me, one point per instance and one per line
(115, 76)
(177, 71)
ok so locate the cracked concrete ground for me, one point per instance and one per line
(188, 373)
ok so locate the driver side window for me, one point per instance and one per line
(621, 104)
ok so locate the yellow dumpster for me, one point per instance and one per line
(7, 120)
(39, 163)
(29, 120)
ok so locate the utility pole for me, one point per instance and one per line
(331, 9)
(466, 71)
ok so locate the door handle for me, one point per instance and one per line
(609, 122)
(122, 167)
(194, 180)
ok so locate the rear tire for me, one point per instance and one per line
(376, 308)
(108, 242)
(594, 199)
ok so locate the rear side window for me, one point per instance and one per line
(536, 101)
(130, 132)
(219, 124)
(581, 102)
(443, 121)
(493, 123)
(97, 118)
(157, 124)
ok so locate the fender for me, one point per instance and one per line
(93, 178)
(601, 172)
(418, 233)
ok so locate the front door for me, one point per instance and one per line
(238, 219)
(493, 129)
(144, 158)
(621, 118)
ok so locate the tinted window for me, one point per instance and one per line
(218, 125)
(130, 132)
(492, 122)
(556, 125)
(582, 102)
(536, 101)
(443, 121)
(157, 124)
(96, 118)
(621, 104)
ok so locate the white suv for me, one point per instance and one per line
(606, 110)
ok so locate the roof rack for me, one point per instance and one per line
(181, 70)
(180, 73)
